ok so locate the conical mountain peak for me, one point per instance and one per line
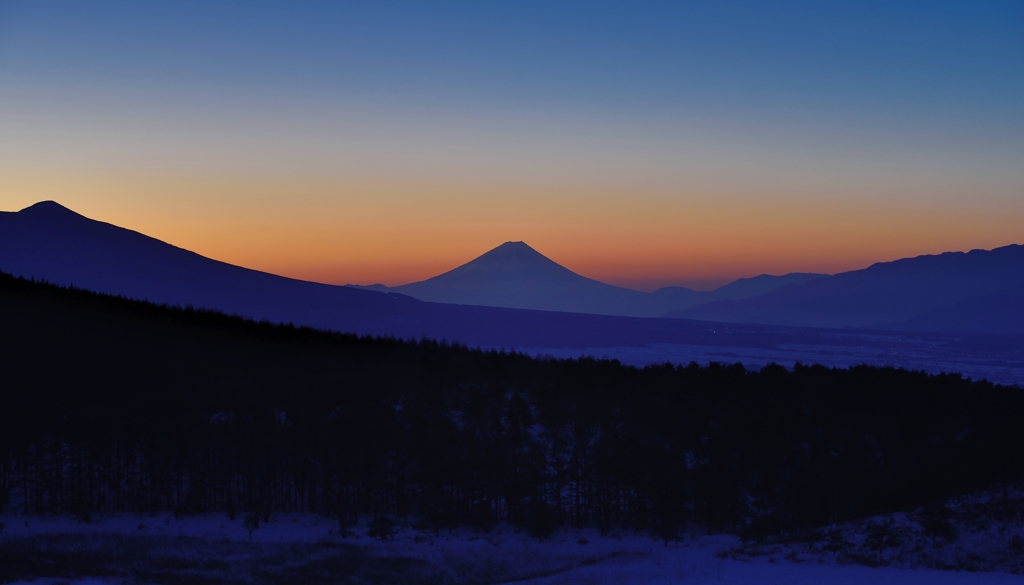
(515, 275)
(507, 266)
(511, 256)
(513, 248)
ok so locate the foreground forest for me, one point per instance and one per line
(111, 405)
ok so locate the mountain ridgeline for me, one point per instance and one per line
(981, 291)
(976, 291)
(513, 296)
(517, 276)
(50, 242)
(113, 405)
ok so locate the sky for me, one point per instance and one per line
(642, 144)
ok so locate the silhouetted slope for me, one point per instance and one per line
(994, 314)
(113, 406)
(50, 242)
(883, 293)
(517, 276)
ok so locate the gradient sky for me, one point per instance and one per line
(643, 144)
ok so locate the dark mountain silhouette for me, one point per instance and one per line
(515, 275)
(49, 242)
(979, 291)
(944, 292)
(993, 314)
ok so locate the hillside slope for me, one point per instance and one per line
(50, 242)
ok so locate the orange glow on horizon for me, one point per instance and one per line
(392, 232)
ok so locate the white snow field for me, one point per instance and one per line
(304, 548)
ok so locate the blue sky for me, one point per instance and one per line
(636, 113)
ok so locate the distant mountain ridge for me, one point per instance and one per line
(981, 291)
(927, 293)
(47, 241)
(514, 275)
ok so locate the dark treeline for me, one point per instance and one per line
(116, 405)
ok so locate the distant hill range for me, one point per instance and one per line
(976, 291)
(515, 275)
(979, 291)
(50, 242)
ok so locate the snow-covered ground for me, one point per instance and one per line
(303, 548)
(980, 533)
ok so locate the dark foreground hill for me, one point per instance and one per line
(114, 405)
